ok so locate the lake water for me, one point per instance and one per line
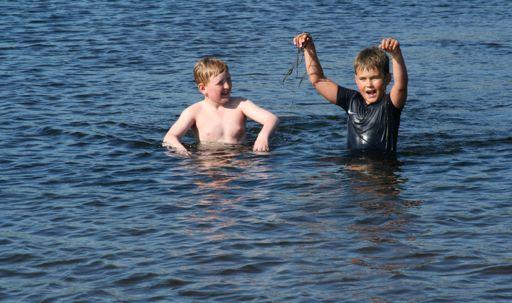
(95, 210)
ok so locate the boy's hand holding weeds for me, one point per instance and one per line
(391, 45)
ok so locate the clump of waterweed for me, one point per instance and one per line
(295, 66)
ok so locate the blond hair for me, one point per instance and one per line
(208, 67)
(372, 58)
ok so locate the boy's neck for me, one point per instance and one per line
(375, 102)
(211, 103)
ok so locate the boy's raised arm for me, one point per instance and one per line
(265, 118)
(398, 92)
(178, 129)
(325, 87)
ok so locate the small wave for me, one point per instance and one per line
(16, 258)
(450, 145)
(49, 131)
(494, 270)
(136, 279)
(172, 283)
(250, 268)
(58, 263)
(8, 273)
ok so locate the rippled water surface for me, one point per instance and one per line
(95, 210)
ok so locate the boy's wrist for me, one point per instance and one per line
(262, 136)
(397, 56)
(396, 53)
(262, 139)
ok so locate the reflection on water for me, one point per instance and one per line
(377, 183)
(221, 172)
(224, 169)
(218, 167)
(377, 179)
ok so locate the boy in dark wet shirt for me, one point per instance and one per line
(373, 115)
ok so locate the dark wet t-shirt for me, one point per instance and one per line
(371, 127)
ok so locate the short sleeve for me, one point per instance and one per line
(344, 96)
(394, 110)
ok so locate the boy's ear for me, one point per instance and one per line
(201, 87)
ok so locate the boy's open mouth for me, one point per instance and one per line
(371, 93)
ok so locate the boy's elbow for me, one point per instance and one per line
(317, 78)
(320, 83)
(275, 120)
(271, 122)
(315, 83)
(169, 138)
(166, 142)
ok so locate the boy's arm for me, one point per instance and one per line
(178, 129)
(265, 118)
(398, 92)
(325, 87)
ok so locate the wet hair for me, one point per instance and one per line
(208, 67)
(370, 58)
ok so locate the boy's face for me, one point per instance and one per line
(218, 88)
(371, 84)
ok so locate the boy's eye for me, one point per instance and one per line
(222, 82)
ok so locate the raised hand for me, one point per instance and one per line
(390, 45)
(302, 40)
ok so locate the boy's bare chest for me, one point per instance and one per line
(227, 126)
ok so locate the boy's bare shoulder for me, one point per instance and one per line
(240, 101)
(194, 108)
(237, 102)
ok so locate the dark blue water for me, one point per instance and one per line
(95, 210)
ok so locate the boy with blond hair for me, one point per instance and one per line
(373, 115)
(219, 117)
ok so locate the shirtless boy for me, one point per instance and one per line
(373, 115)
(219, 118)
